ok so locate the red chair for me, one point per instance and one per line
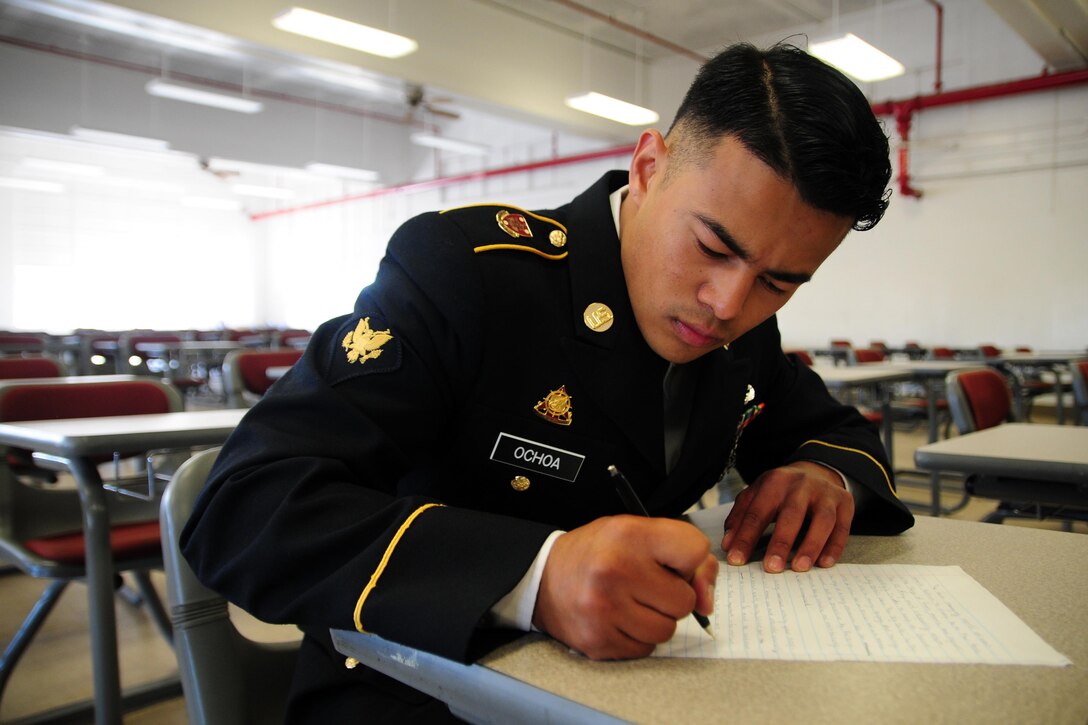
(989, 351)
(132, 358)
(861, 356)
(19, 343)
(942, 353)
(979, 398)
(41, 529)
(245, 373)
(801, 355)
(292, 339)
(22, 368)
(12, 368)
(841, 343)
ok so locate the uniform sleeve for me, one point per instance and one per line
(800, 420)
(320, 509)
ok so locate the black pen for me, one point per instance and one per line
(634, 506)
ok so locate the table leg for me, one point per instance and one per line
(931, 418)
(886, 411)
(1058, 394)
(103, 624)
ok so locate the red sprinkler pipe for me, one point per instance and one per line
(902, 124)
(940, 44)
(903, 110)
(450, 180)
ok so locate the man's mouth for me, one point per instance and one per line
(695, 335)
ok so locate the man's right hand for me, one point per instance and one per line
(615, 588)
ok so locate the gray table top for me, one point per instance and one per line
(1029, 450)
(839, 376)
(76, 437)
(1040, 575)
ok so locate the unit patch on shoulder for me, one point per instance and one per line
(363, 343)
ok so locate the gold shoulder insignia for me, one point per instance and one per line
(364, 344)
(517, 232)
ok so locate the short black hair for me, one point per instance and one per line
(806, 120)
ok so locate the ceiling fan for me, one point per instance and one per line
(417, 99)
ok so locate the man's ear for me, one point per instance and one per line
(648, 161)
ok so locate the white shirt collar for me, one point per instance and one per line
(615, 199)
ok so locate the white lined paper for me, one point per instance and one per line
(858, 612)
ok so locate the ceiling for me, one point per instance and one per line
(507, 56)
(472, 51)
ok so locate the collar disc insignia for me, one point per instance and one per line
(556, 407)
(364, 344)
(516, 225)
(598, 317)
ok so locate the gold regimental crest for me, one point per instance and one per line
(557, 238)
(556, 407)
(516, 225)
(364, 344)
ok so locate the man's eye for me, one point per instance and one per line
(708, 252)
(771, 286)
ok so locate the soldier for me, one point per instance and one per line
(435, 468)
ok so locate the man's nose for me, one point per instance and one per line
(726, 292)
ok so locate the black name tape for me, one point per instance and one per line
(537, 457)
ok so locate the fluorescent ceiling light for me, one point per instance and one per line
(343, 172)
(220, 165)
(165, 89)
(211, 202)
(344, 32)
(613, 109)
(449, 144)
(49, 187)
(852, 55)
(120, 139)
(265, 192)
(68, 168)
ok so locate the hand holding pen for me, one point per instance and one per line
(634, 506)
(614, 588)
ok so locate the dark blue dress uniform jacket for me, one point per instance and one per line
(321, 508)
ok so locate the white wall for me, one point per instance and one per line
(993, 251)
(119, 250)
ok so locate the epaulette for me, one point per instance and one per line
(512, 228)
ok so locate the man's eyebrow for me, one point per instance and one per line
(736, 248)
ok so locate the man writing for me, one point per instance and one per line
(434, 470)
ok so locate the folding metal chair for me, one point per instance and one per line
(227, 678)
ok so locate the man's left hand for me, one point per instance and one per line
(789, 496)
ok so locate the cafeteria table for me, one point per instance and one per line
(1030, 462)
(77, 443)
